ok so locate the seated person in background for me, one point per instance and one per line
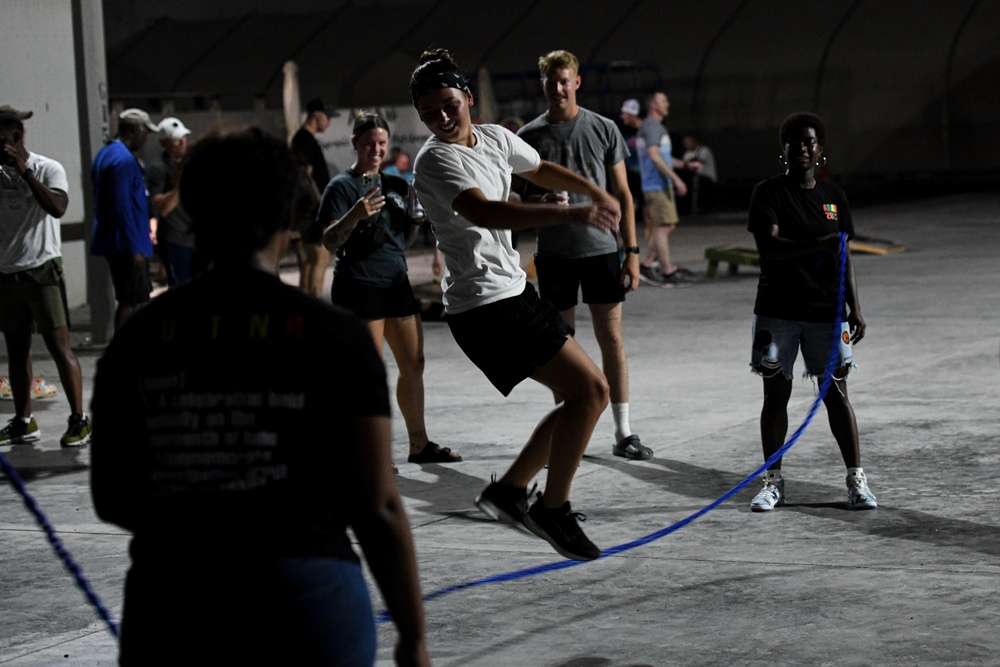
(237, 473)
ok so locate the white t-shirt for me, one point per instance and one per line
(29, 236)
(481, 264)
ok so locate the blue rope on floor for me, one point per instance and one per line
(57, 545)
(383, 616)
(831, 364)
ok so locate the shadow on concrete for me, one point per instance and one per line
(708, 484)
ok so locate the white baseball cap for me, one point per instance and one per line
(173, 128)
(631, 106)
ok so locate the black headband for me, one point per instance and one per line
(436, 80)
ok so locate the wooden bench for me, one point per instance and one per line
(733, 254)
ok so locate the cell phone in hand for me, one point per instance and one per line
(370, 182)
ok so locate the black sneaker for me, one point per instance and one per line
(558, 527)
(503, 502)
(631, 448)
(17, 432)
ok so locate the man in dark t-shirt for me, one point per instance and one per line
(309, 154)
(236, 473)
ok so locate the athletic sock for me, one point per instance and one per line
(622, 428)
(774, 475)
(855, 472)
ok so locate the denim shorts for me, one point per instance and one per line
(776, 344)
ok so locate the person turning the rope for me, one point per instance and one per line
(237, 471)
(796, 220)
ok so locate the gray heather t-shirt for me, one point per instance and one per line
(589, 145)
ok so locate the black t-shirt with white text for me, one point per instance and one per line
(220, 410)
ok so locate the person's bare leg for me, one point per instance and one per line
(661, 245)
(377, 329)
(570, 316)
(316, 259)
(842, 421)
(57, 341)
(774, 415)
(405, 337)
(607, 319)
(566, 430)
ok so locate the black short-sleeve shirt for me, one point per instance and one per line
(219, 412)
(805, 288)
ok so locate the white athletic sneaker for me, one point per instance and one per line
(859, 496)
(771, 495)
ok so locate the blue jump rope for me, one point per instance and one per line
(383, 616)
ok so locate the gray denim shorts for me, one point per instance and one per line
(776, 344)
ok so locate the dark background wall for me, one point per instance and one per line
(910, 88)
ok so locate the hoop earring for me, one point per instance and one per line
(821, 164)
(782, 160)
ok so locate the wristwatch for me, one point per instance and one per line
(634, 249)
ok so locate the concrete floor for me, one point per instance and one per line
(916, 582)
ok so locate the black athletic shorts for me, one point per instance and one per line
(511, 338)
(375, 303)
(130, 278)
(599, 277)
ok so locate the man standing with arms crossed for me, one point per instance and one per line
(571, 257)
(659, 180)
(32, 293)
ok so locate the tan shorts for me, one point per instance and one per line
(661, 207)
(34, 299)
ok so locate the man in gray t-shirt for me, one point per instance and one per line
(574, 258)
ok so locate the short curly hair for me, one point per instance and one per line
(238, 189)
(799, 120)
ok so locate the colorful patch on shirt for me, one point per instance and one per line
(831, 211)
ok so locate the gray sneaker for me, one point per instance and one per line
(771, 495)
(650, 275)
(859, 496)
(631, 448)
(677, 279)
